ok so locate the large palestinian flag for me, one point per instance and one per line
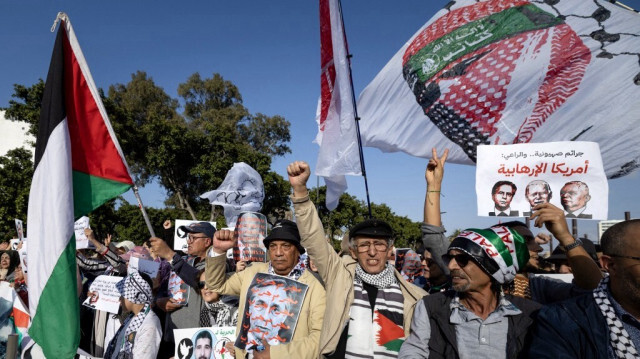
(78, 166)
(512, 71)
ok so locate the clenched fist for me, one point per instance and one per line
(299, 173)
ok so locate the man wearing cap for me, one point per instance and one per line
(188, 268)
(371, 305)
(140, 334)
(475, 319)
(284, 248)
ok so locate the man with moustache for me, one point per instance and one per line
(204, 345)
(475, 318)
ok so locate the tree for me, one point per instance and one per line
(26, 105)
(16, 171)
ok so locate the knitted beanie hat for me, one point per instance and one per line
(499, 251)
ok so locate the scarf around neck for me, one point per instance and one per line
(295, 273)
(618, 336)
(130, 327)
(381, 280)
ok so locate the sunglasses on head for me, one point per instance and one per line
(461, 258)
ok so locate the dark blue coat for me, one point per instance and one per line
(573, 328)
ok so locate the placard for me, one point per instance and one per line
(81, 239)
(104, 295)
(251, 229)
(178, 289)
(180, 237)
(207, 343)
(271, 311)
(511, 179)
(19, 229)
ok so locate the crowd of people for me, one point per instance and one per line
(477, 295)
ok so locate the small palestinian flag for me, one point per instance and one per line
(78, 166)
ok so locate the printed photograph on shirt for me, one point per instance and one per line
(204, 343)
(271, 311)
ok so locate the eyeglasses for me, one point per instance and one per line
(627, 257)
(191, 239)
(201, 284)
(379, 246)
(462, 259)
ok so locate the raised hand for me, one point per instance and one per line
(554, 219)
(161, 248)
(435, 168)
(299, 173)
(166, 224)
(223, 240)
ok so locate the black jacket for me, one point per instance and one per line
(443, 343)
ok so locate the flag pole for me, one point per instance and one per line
(144, 212)
(355, 111)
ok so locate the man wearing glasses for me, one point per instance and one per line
(475, 318)
(604, 323)
(188, 268)
(370, 305)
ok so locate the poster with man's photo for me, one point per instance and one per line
(103, 294)
(204, 343)
(178, 289)
(512, 179)
(180, 237)
(251, 228)
(271, 311)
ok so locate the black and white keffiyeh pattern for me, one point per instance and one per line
(135, 289)
(618, 336)
(296, 272)
(381, 280)
(130, 327)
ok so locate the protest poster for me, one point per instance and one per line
(400, 253)
(178, 289)
(252, 230)
(103, 294)
(271, 311)
(145, 266)
(14, 243)
(19, 229)
(410, 265)
(207, 343)
(23, 255)
(180, 237)
(78, 228)
(511, 179)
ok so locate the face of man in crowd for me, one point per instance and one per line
(574, 196)
(371, 253)
(467, 278)
(269, 311)
(284, 256)
(197, 244)
(203, 348)
(502, 197)
(5, 261)
(625, 272)
(536, 194)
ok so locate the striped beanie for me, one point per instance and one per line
(499, 251)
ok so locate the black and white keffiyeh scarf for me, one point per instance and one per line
(130, 327)
(218, 314)
(618, 336)
(381, 280)
(296, 272)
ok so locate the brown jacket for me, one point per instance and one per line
(338, 275)
(304, 343)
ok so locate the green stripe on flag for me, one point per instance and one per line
(90, 192)
(497, 242)
(56, 326)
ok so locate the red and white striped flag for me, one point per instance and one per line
(339, 155)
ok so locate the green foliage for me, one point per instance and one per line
(351, 211)
(16, 171)
(26, 105)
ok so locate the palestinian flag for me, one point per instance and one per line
(78, 166)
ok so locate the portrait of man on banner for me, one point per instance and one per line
(271, 311)
(502, 194)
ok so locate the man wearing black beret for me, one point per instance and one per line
(371, 305)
